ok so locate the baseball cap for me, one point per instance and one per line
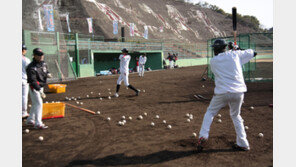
(38, 52)
(124, 50)
(24, 47)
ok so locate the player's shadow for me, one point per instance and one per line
(155, 158)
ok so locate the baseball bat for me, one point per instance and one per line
(83, 109)
(234, 23)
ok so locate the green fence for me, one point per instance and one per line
(259, 68)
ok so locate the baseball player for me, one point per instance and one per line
(229, 90)
(124, 72)
(232, 46)
(25, 85)
(142, 61)
(171, 58)
(37, 75)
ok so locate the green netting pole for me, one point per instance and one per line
(77, 55)
(58, 52)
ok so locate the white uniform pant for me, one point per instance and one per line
(234, 100)
(25, 93)
(36, 109)
(138, 68)
(171, 64)
(142, 70)
(123, 77)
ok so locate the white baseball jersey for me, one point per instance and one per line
(25, 63)
(142, 59)
(227, 68)
(124, 63)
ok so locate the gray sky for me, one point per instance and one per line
(261, 9)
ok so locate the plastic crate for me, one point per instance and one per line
(57, 88)
(53, 110)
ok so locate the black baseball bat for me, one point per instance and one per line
(234, 23)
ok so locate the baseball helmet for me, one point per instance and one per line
(219, 43)
(24, 47)
(124, 50)
(38, 52)
(230, 45)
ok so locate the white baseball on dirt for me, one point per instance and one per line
(144, 91)
(81, 103)
(157, 116)
(152, 124)
(203, 86)
(219, 115)
(29, 105)
(145, 114)
(260, 135)
(188, 120)
(101, 98)
(126, 87)
(77, 102)
(87, 96)
(109, 93)
(219, 120)
(169, 126)
(109, 97)
(187, 115)
(140, 117)
(91, 92)
(246, 127)
(99, 94)
(40, 138)
(252, 108)
(123, 117)
(98, 112)
(164, 121)
(27, 130)
(194, 134)
(109, 89)
(108, 118)
(124, 121)
(130, 118)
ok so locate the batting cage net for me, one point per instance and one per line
(56, 53)
(259, 68)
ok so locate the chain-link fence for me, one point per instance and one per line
(259, 68)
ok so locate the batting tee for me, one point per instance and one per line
(259, 68)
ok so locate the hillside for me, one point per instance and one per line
(180, 21)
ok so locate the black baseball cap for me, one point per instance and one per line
(24, 47)
(124, 50)
(38, 52)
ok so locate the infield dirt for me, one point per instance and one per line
(83, 139)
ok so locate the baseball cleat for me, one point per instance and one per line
(239, 148)
(116, 95)
(41, 127)
(201, 144)
(138, 92)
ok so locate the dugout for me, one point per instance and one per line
(105, 60)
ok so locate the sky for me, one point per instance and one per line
(261, 9)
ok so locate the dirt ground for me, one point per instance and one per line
(83, 139)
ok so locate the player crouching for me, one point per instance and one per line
(229, 89)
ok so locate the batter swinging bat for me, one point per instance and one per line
(234, 23)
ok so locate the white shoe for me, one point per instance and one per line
(25, 115)
(116, 95)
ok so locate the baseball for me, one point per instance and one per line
(109, 97)
(109, 93)
(169, 126)
(52, 101)
(91, 92)
(145, 113)
(252, 108)
(46, 102)
(187, 115)
(98, 112)
(101, 98)
(144, 91)
(108, 89)
(188, 120)
(123, 117)
(152, 124)
(260, 135)
(203, 86)
(40, 138)
(108, 118)
(164, 121)
(124, 121)
(27, 130)
(73, 98)
(99, 94)
(120, 123)
(140, 117)
(29, 105)
(81, 103)
(219, 120)
(157, 116)
(130, 118)
(66, 98)
(87, 96)
(219, 115)
(246, 127)
(126, 87)
(194, 134)
(78, 97)
(77, 102)
(190, 116)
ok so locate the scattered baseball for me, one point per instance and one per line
(203, 86)
(77, 102)
(98, 112)
(164, 121)
(188, 120)
(109, 93)
(99, 94)
(66, 98)
(157, 116)
(120, 123)
(46, 102)
(187, 115)
(126, 87)
(101, 98)
(29, 105)
(108, 89)
(152, 124)
(27, 130)
(144, 91)
(194, 134)
(109, 97)
(52, 101)
(140, 117)
(108, 118)
(69, 99)
(252, 108)
(40, 138)
(123, 117)
(145, 113)
(190, 116)
(260, 135)
(219, 115)
(78, 97)
(124, 121)
(130, 118)
(219, 120)
(246, 127)
(87, 96)
(169, 126)
(91, 92)
(81, 103)
(73, 98)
